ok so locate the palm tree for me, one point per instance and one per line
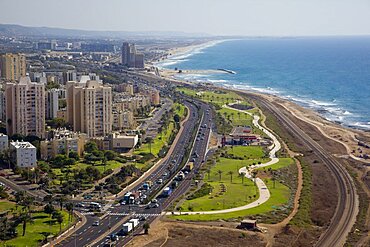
(209, 173)
(219, 174)
(146, 227)
(69, 207)
(25, 218)
(231, 176)
(273, 178)
(59, 217)
(242, 175)
(239, 114)
(149, 140)
(254, 176)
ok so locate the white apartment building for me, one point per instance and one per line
(23, 154)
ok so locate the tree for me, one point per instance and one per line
(219, 174)
(61, 199)
(73, 155)
(25, 218)
(231, 176)
(146, 227)
(69, 207)
(90, 147)
(110, 155)
(149, 140)
(242, 175)
(176, 118)
(254, 176)
(59, 218)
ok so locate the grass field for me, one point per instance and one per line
(283, 162)
(246, 152)
(6, 205)
(33, 231)
(217, 97)
(279, 197)
(237, 194)
(111, 164)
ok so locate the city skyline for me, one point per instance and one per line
(262, 18)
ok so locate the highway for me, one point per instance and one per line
(112, 220)
(347, 207)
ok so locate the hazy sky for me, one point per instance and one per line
(229, 17)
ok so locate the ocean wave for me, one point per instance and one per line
(179, 57)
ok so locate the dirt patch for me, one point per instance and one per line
(184, 234)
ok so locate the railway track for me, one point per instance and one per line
(347, 207)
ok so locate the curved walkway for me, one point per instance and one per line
(264, 193)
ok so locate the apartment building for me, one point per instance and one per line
(25, 107)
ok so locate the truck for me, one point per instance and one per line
(189, 166)
(167, 191)
(134, 222)
(126, 228)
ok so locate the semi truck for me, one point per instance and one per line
(134, 222)
(126, 228)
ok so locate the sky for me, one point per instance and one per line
(217, 17)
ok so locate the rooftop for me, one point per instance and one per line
(22, 144)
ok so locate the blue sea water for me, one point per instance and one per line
(328, 74)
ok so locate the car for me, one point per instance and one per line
(142, 218)
(123, 202)
(114, 237)
(154, 201)
(165, 174)
(143, 197)
(96, 223)
(156, 205)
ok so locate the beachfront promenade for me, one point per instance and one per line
(264, 193)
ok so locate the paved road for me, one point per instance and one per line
(169, 167)
(264, 193)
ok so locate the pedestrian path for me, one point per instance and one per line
(264, 193)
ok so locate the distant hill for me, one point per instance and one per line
(12, 30)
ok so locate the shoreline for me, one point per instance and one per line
(333, 112)
(348, 136)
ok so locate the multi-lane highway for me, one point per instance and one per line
(200, 116)
(347, 207)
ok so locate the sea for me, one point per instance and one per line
(330, 75)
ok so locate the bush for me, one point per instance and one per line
(205, 189)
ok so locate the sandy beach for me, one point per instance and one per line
(348, 137)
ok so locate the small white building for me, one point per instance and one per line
(23, 154)
(3, 142)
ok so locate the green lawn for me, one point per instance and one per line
(217, 97)
(246, 152)
(111, 164)
(33, 231)
(237, 118)
(283, 162)
(237, 194)
(279, 197)
(6, 205)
